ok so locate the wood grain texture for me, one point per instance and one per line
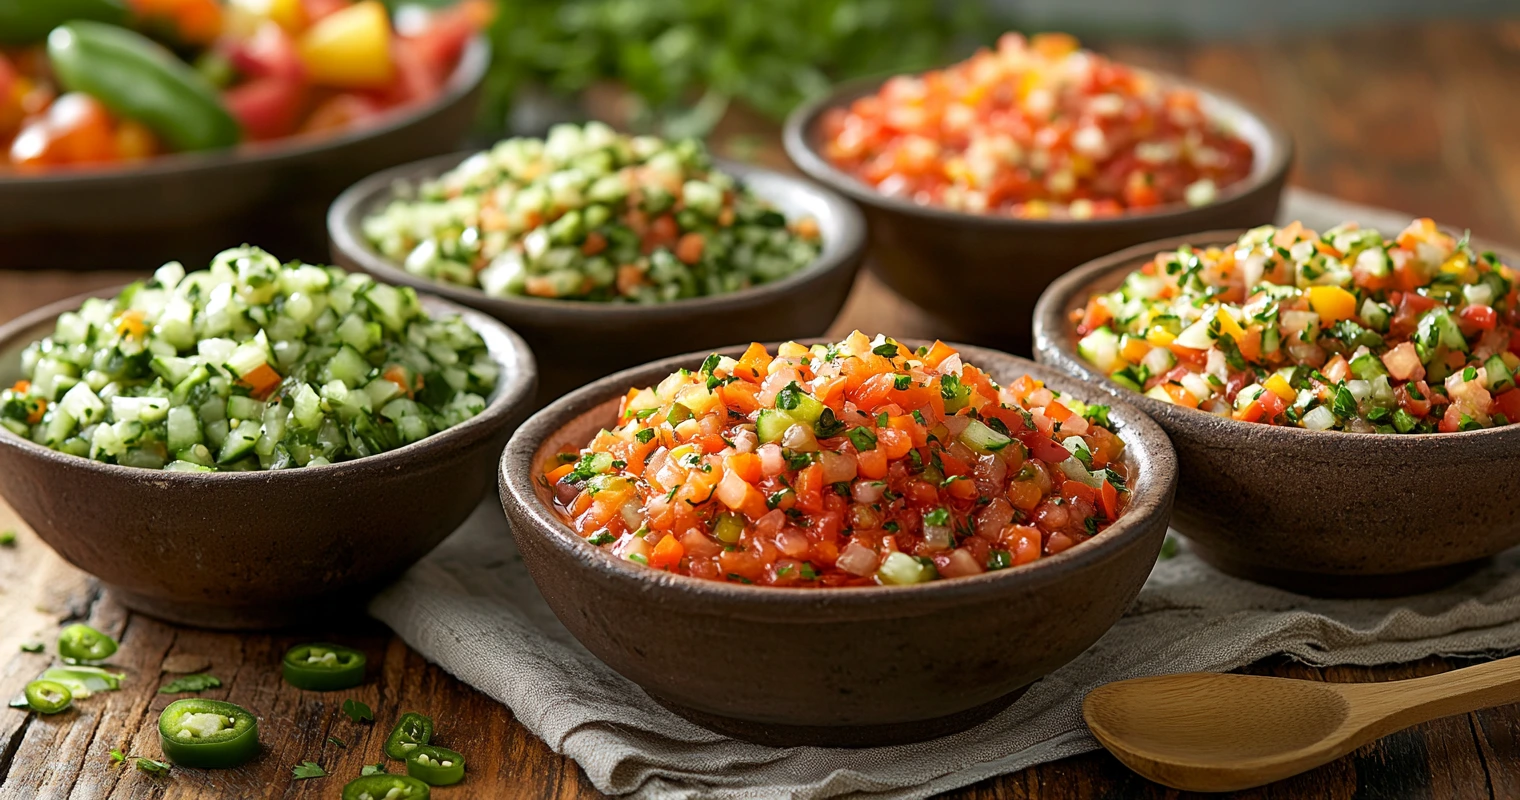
(1414, 118)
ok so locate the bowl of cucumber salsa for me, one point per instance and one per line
(298, 433)
(605, 249)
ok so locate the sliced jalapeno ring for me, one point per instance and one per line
(323, 667)
(435, 766)
(83, 643)
(386, 787)
(211, 734)
(48, 697)
(412, 731)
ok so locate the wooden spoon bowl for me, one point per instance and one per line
(1204, 732)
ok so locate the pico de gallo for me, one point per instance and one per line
(250, 364)
(99, 82)
(851, 464)
(592, 214)
(1344, 330)
(1037, 129)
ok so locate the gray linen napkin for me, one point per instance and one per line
(471, 607)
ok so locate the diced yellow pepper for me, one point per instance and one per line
(1332, 303)
(1228, 325)
(1279, 386)
(1510, 360)
(1134, 349)
(1159, 336)
(351, 48)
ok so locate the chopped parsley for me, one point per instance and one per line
(863, 438)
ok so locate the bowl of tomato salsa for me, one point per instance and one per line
(1347, 367)
(166, 132)
(847, 543)
(1026, 160)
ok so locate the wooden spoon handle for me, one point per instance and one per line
(1400, 704)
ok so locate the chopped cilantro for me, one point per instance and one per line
(863, 438)
(885, 350)
(644, 435)
(308, 769)
(357, 711)
(828, 425)
(789, 397)
(939, 516)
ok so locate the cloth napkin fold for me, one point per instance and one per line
(471, 607)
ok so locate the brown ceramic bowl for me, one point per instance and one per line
(578, 342)
(1324, 513)
(981, 274)
(189, 206)
(835, 667)
(259, 549)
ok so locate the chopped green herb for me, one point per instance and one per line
(308, 769)
(602, 537)
(863, 438)
(638, 558)
(339, 742)
(999, 559)
(373, 769)
(902, 382)
(828, 425)
(357, 711)
(644, 435)
(31, 647)
(740, 578)
(886, 350)
(152, 767)
(790, 397)
(939, 516)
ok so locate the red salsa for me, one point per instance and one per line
(1036, 129)
(852, 464)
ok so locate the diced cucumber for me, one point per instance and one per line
(82, 404)
(983, 439)
(1100, 348)
(1368, 366)
(772, 424)
(239, 442)
(1375, 315)
(240, 407)
(307, 412)
(347, 366)
(1500, 378)
(173, 369)
(184, 428)
(901, 569)
(1438, 328)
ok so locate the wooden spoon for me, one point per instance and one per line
(1207, 732)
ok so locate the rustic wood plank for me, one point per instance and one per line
(1411, 118)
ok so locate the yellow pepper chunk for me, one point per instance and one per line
(351, 48)
(1279, 386)
(1228, 325)
(1134, 349)
(1159, 336)
(1332, 303)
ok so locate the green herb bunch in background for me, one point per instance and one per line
(684, 61)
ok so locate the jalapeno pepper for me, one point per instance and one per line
(48, 697)
(386, 787)
(411, 732)
(207, 733)
(141, 80)
(27, 21)
(323, 667)
(435, 766)
(83, 643)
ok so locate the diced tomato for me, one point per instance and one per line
(1110, 497)
(267, 108)
(76, 129)
(1508, 404)
(1478, 317)
(268, 53)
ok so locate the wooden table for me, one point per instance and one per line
(1421, 119)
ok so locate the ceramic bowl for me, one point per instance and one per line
(1324, 513)
(188, 207)
(259, 549)
(578, 342)
(835, 667)
(981, 274)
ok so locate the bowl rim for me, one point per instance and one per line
(345, 218)
(798, 136)
(1153, 493)
(520, 374)
(468, 74)
(1055, 337)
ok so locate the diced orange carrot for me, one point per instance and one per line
(689, 248)
(667, 553)
(22, 386)
(262, 380)
(396, 374)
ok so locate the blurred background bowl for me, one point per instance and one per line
(1324, 513)
(981, 274)
(189, 207)
(264, 549)
(577, 342)
(858, 666)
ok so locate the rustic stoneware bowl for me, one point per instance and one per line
(835, 667)
(1324, 513)
(577, 342)
(981, 274)
(259, 549)
(189, 206)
